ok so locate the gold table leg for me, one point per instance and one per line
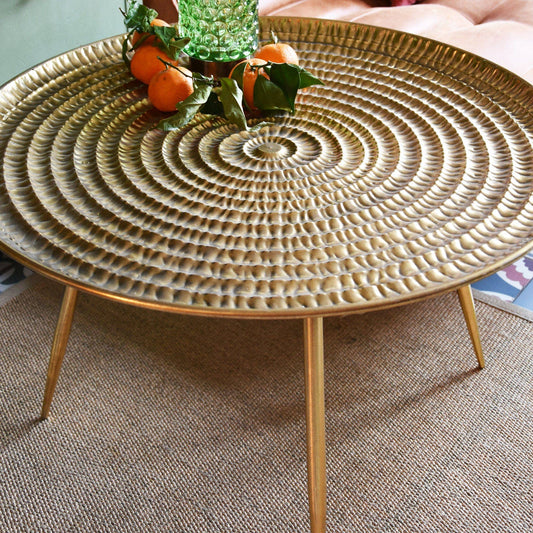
(59, 346)
(467, 304)
(316, 424)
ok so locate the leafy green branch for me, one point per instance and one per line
(138, 18)
(224, 97)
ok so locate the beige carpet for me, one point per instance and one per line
(165, 423)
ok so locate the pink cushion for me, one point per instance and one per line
(499, 30)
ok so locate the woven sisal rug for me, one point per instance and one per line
(166, 423)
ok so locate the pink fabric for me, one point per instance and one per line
(397, 3)
(499, 30)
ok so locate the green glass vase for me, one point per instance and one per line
(219, 30)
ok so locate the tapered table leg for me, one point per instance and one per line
(316, 427)
(59, 346)
(467, 304)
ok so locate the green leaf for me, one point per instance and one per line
(213, 106)
(287, 78)
(166, 34)
(173, 46)
(238, 73)
(307, 79)
(125, 47)
(186, 110)
(268, 96)
(231, 98)
(201, 79)
(138, 17)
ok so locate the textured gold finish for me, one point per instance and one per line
(59, 345)
(316, 422)
(467, 304)
(406, 175)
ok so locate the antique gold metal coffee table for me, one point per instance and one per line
(409, 174)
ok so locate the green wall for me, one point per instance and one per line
(34, 30)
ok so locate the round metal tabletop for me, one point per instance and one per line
(409, 173)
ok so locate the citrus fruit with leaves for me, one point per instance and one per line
(246, 73)
(169, 87)
(145, 62)
(147, 38)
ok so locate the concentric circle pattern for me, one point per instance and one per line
(410, 172)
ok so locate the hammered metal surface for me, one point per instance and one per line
(409, 173)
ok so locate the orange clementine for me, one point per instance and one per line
(278, 53)
(145, 62)
(249, 76)
(169, 87)
(149, 40)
